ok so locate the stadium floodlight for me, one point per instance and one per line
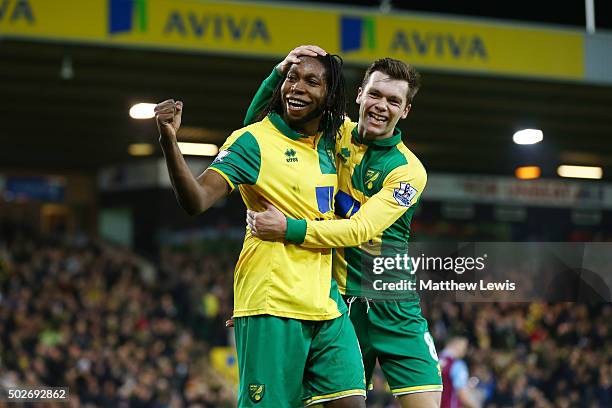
(528, 136)
(585, 172)
(140, 149)
(142, 111)
(527, 172)
(198, 149)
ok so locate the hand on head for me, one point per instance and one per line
(294, 56)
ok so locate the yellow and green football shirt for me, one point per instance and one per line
(380, 183)
(269, 161)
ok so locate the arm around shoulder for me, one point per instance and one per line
(401, 190)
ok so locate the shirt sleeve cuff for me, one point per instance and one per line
(276, 74)
(273, 79)
(296, 230)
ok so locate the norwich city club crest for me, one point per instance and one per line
(256, 392)
(371, 177)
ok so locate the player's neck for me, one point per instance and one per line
(305, 128)
(363, 135)
(310, 128)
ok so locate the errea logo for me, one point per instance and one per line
(291, 156)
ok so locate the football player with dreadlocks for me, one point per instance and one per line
(294, 340)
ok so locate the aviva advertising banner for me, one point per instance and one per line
(267, 29)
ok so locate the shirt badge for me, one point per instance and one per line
(404, 194)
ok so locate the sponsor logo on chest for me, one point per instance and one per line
(291, 156)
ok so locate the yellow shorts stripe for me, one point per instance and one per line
(224, 176)
(334, 396)
(419, 388)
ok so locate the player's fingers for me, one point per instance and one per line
(293, 59)
(165, 117)
(304, 52)
(251, 220)
(166, 109)
(167, 104)
(169, 109)
(316, 50)
(229, 323)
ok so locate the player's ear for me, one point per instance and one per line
(358, 100)
(406, 110)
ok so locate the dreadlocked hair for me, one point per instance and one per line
(332, 117)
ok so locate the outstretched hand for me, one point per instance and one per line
(168, 116)
(294, 56)
(268, 225)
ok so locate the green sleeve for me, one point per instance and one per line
(262, 97)
(240, 162)
(296, 230)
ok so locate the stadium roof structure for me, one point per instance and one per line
(460, 122)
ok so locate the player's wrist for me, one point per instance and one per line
(166, 140)
(278, 70)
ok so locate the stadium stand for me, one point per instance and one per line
(120, 331)
(108, 288)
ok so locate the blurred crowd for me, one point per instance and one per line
(121, 331)
(534, 355)
(111, 327)
(522, 355)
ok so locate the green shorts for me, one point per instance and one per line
(294, 363)
(395, 333)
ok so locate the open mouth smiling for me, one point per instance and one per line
(296, 104)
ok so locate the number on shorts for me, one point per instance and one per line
(431, 345)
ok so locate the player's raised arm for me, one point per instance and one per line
(194, 195)
(400, 192)
(266, 89)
